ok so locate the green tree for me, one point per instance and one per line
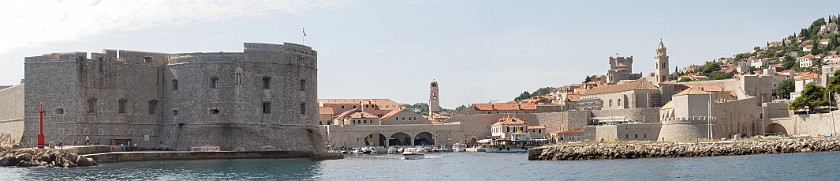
(588, 78)
(718, 75)
(833, 84)
(459, 108)
(684, 80)
(523, 96)
(419, 108)
(541, 91)
(790, 64)
(784, 89)
(709, 68)
(811, 96)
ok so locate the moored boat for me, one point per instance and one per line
(459, 147)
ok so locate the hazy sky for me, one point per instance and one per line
(477, 50)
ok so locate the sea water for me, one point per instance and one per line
(456, 166)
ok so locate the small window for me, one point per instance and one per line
(266, 82)
(302, 85)
(147, 59)
(174, 112)
(174, 84)
(214, 111)
(636, 135)
(302, 108)
(121, 107)
(214, 83)
(91, 105)
(153, 106)
(266, 107)
(59, 110)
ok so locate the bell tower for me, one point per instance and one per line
(661, 60)
(434, 99)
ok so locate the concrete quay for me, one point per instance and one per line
(698, 149)
(112, 157)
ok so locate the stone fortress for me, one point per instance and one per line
(264, 98)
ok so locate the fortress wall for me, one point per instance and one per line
(776, 110)
(178, 119)
(647, 115)
(11, 113)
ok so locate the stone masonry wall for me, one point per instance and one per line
(11, 113)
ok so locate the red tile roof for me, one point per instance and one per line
(510, 121)
(505, 107)
(635, 85)
(567, 131)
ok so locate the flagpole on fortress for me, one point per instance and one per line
(304, 37)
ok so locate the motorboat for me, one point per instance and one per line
(459, 147)
(357, 151)
(392, 150)
(412, 154)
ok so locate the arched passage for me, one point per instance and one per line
(775, 129)
(424, 138)
(375, 139)
(400, 139)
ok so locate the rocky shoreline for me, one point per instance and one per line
(45, 158)
(699, 149)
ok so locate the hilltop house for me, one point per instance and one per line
(808, 61)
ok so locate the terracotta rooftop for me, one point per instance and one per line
(635, 85)
(692, 90)
(567, 131)
(809, 75)
(355, 114)
(510, 121)
(392, 113)
(504, 106)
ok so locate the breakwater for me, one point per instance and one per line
(699, 149)
(47, 158)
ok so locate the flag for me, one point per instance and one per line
(304, 32)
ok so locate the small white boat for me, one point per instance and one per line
(392, 150)
(412, 154)
(459, 147)
(357, 151)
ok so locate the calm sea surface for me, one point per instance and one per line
(457, 166)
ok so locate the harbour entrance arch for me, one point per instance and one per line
(775, 129)
(375, 139)
(400, 139)
(424, 138)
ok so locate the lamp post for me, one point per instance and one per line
(41, 125)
